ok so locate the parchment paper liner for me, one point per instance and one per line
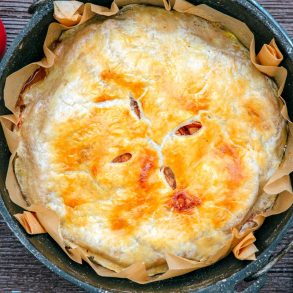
(38, 219)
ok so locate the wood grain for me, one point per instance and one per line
(20, 271)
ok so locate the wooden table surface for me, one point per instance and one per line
(20, 271)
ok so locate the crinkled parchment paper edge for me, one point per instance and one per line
(35, 218)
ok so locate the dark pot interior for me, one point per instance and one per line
(45, 249)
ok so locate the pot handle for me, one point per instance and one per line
(35, 5)
(256, 285)
(259, 278)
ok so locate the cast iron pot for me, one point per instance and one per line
(222, 276)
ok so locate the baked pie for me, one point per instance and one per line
(153, 133)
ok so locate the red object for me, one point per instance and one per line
(184, 202)
(2, 39)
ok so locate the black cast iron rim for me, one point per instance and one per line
(225, 285)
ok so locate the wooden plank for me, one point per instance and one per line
(19, 270)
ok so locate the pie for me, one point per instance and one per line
(152, 133)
